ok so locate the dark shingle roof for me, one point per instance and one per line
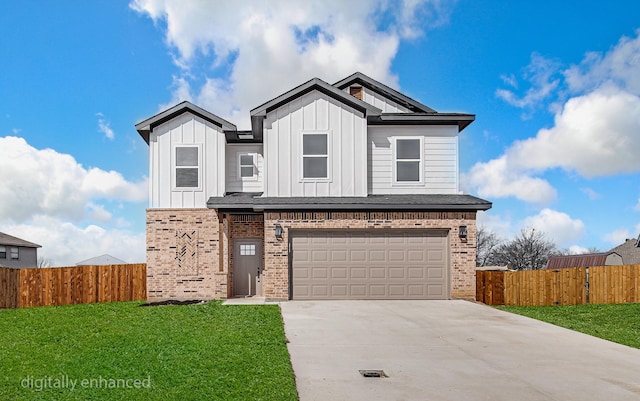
(10, 240)
(254, 201)
(382, 89)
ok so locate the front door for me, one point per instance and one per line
(247, 267)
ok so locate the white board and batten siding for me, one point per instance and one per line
(235, 183)
(186, 129)
(347, 149)
(439, 160)
(381, 102)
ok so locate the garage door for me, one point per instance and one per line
(370, 265)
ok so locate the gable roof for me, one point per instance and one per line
(321, 86)
(259, 113)
(382, 89)
(584, 260)
(10, 240)
(101, 260)
(145, 127)
(630, 251)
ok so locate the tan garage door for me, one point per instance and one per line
(370, 265)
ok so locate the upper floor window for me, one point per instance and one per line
(315, 155)
(15, 253)
(187, 167)
(3, 252)
(247, 166)
(408, 160)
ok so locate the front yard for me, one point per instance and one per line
(121, 351)
(619, 323)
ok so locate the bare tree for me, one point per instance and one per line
(529, 250)
(44, 262)
(487, 241)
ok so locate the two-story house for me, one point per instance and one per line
(343, 191)
(16, 252)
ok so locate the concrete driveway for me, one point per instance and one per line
(449, 350)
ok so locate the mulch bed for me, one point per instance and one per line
(174, 302)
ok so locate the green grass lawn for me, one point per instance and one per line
(618, 323)
(125, 352)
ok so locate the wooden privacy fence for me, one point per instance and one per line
(571, 286)
(21, 288)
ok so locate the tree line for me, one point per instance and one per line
(530, 249)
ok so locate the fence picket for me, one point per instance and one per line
(72, 285)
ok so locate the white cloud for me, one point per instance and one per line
(595, 132)
(558, 226)
(103, 126)
(637, 207)
(498, 179)
(43, 181)
(594, 135)
(577, 250)
(499, 225)
(593, 195)
(65, 243)
(620, 66)
(541, 74)
(269, 47)
(618, 236)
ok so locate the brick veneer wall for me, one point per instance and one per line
(462, 259)
(183, 255)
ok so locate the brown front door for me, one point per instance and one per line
(247, 267)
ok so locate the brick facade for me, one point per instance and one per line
(190, 251)
(183, 255)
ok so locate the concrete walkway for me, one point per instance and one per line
(449, 350)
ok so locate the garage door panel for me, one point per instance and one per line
(377, 273)
(396, 255)
(357, 291)
(370, 265)
(358, 272)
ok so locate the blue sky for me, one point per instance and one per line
(554, 85)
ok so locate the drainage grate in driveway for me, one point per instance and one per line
(373, 373)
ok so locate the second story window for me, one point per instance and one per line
(15, 253)
(247, 166)
(3, 252)
(187, 167)
(408, 159)
(315, 155)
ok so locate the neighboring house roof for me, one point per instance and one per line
(584, 260)
(10, 240)
(630, 251)
(145, 127)
(380, 88)
(101, 261)
(254, 201)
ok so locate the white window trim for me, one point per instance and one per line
(328, 156)
(174, 167)
(394, 165)
(16, 250)
(255, 166)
